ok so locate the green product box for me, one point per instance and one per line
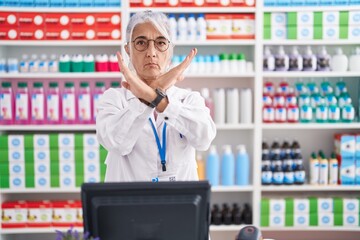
(264, 220)
(4, 142)
(289, 206)
(79, 167)
(291, 19)
(318, 16)
(29, 169)
(79, 140)
(318, 32)
(29, 141)
(267, 33)
(54, 141)
(344, 32)
(338, 205)
(313, 205)
(4, 156)
(4, 179)
(313, 221)
(267, 19)
(338, 219)
(344, 18)
(292, 32)
(265, 206)
(289, 220)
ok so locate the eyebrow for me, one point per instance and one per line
(147, 38)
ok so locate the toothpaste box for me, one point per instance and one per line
(325, 205)
(31, 33)
(305, 18)
(42, 181)
(301, 219)
(325, 219)
(8, 19)
(90, 140)
(331, 18)
(66, 140)
(278, 19)
(8, 33)
(108, 34)
(30, 19)
(301, 206)
(354, 18)
(277, 220)
(41, 141)
(331, 32)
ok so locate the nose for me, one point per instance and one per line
(151, 50)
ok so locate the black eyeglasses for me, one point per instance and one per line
(142, 43)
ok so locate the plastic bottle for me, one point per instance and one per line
(265, 149)
(242, 173)
(89, 63)
(113, 63)
(64, 63)
(306, 114)
(53, 104)
(233, 63)
(213, 166)
(102, 63)
(268, 60)
(309, 60)
(43, 64)
(22, 104)
(275, 148)
(340, 88)
(242, 64)
(24, 63)
(232, 106)
(321, 114)
(347, 113)
(246, 103)
(289, 177)
(339, 62)
(295, 149)
(68, 101)
(173, 27)
(77, 63)
(219, 106)
(314, 169)
(115, 84)
(323, 60)
(182, 28)
(295, 60)
(205, 93)
(84, 103)
(324, 169)
(266, 173)
(97, 93)
(285, 149)
(227, 167)
(191, 27)
(225, 63)
(299, 174)
(281, 60)
(6, 103)
(200, 166)
(38, 104)
(278, 175)
(13, 65)
(276, 162)
(333, 113)
(201, 27)
(247, 214)
(354, 61)
(53, 64)
(333, 170)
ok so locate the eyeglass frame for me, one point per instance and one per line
(148, 40)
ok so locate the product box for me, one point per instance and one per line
(346, 205)
(242, 3)
(56, 20)
(354, 18)
(66, 155)
(8, 33)
(243, 26)
(41, 3)
(354, 32)
(24, 3)
(30, 19)
(17, 181)
(79, 214)
(56, 3)
(67, 181)
(31, 33)
(278, 33)
(346, 220)
(41, 141)
(82, 20)
(218, 26)
(57, 33)
(90, 140)
(325, 219)
(305, 18)
(357, 160)
(42, 168)
(345, 146)
(16, 155)
(107, 20)
(8, 19)
(41, 155)
(64, 213)
(108, 34)
(39, 213)
(66, 140)
(277, 220)
(85, 3)
(301, 220)
(331, 32)
(42, 180)
(331, 18)
(277, 206)
(67, 168)
(17, 168)
(14, 141)
(278, 19)
(99, 3)
(91, 155)
(325, 205)
(14, 214)
(71, 3)
(305, 32)
(82, 34)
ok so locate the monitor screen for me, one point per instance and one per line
(146, 210)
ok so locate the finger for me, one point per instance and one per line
(180, 78)
(188, 59)
(125, 84)
(121, 62)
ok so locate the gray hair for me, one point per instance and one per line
(159, 20)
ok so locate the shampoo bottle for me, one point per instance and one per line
(309, 60)
(227, 167)
(354, 61)
(295, 60)
(333, 170)
(268, 60)
(314, 169)
(339, 62)
(213, 166)
(6, 103)
(242, 166)
(323, 60)
(281, 60)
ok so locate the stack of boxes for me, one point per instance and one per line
(43, 161)
(347, 148)
(310, 212)
(329, 25)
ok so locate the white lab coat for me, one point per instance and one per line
(123, 128)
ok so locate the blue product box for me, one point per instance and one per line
(41, 3)
(311, 2)
(297, 3)
(11, 3)
(85, 3)
(114, 3)
(26, 3)
(56, 3)
(325, 2)
(340, 2)
(354, 2)
(269, 3)
(71, 3)
(100, 3)
(283, 2)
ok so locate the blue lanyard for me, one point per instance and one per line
(162, 150)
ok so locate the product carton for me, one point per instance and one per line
(325, 205)
(82, 20)
(331, 18)
(107, 20)
(354, 17)
(218, 26)
(57, 33)
(29, 19)
(67, 181)
(108, 34)
(346, 220)
(90, 140)
(354, 32)
(277, 206)
(278, 19)
(41, 141)
(57, 20)
(42, 168)
(17, 181)
(42, 180)
(305, 32)
(278, 33)
(14, 214)
(277, 220)
(16, 155)
(345, 149)
(8, 19)
(66, 155)
(91, 155)
(31, 33)
(17, 168)
(84, 33)
(331, 32)
(64, 213)
(66, 140)
(301, 206)
(301, 219)
(325, 219)
(8, 33)
(243, 26)
(346, 205)
(39, 213)
(305, 18)
(41, 155)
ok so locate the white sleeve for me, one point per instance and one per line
(192, 119)
(120, 121)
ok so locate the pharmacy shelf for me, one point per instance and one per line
(61, 43)
(301, 229)
(34, 190)
(309, 42)
(312, 8)
(56, 128)
(96, 9)
(101, 75)
(215, 42)
(224, 189)
(235, 126)
(298, 126)
(222, 228)
(38, 230)
(311, 188)
(217, 75)
(197, 9)
(301, 74)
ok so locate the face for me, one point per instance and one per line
(150, 63)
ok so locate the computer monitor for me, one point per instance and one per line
(146, 210)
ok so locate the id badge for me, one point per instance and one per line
(167, 176)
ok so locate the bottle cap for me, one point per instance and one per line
(53, 84)
(205, 92)
(233, 56)
(6, 84)
(241, 148)
(212, 149)
(223, 56)
(115, 84)
(69, 84)
(99, 84)
(241, 56)
(84, 84)
(22, 84)
(227, 149)
(37, 85)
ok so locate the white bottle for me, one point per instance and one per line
(295, 60)
(246, 106)
(191, 27)
(201, 27)
(219, 106)
(173, 27)
(24, 63)
(268, 60)
(33, 64)
(182, 28)
(53, 64)
(281, 60)
(339, 62)
(232, 106)
(43, 64)
(354, 61)
(309, 60)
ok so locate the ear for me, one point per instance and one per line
(127, 50)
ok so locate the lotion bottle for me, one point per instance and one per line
(339, 62)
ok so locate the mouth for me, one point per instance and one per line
(152, 65)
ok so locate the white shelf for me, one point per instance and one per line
(38, 230)
(226, 228)
(48, 190)
(310, 42)
(232, 189)
(312, 229)
(61, 43)
(234, 126)
(222, 42)
(299, 74)
(310, 188)
(197, 9)
(69, 127)
(311, 8)
(96, 9)
(107, 75)
(298, 126)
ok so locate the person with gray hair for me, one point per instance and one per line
(150, 127)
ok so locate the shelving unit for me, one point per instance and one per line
(250, 134)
